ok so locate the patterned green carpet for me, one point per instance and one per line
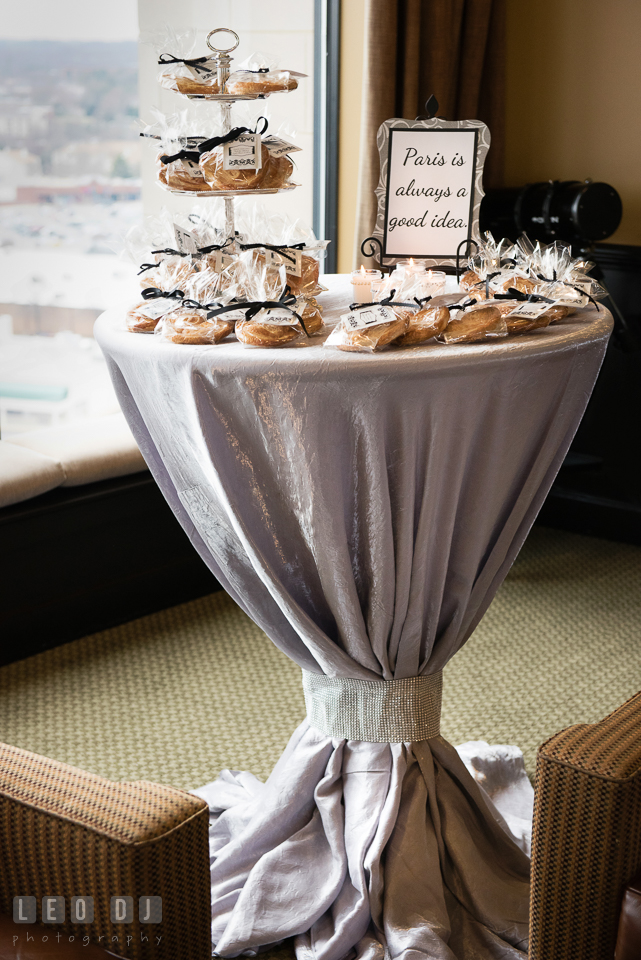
(176, 696)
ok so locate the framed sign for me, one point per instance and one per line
(430, 188)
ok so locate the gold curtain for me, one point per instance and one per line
(454, 49)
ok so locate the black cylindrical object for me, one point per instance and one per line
(574, 211)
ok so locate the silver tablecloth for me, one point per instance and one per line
(363, 510)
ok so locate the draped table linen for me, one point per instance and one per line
(362, 509)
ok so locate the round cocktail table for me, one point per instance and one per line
(363, 509)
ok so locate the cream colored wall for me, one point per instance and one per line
(574, 97)
(352, 19)
(573, 102)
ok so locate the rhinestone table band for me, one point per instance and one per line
(379, 711)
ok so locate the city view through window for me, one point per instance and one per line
(73, 168)
(69, 191)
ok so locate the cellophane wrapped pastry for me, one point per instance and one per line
(471, 324)
(170, 273)
(373, 336)
(182, 68)
(426, 316)
(178, 160)
(516, 324)
(274, 172)
(312, 314)
(368, 328)
(259, 76)
(192, 321)
(301, 250)
(160, 295)
(495, 268)
(184, 247)
(558, 275)
(424, 324)
(270, 326)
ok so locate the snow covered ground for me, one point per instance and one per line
(70, 364)
(74, 227)
(59, 256)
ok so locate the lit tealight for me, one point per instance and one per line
(362, 284)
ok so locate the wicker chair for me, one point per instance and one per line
(67, 833)
(586, 843)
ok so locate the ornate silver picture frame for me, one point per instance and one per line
(430, 188)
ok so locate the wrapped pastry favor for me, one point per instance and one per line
(258, 76)
(477, 322)
(191, 77)
(155, 304)
(192, 324)
(423, 324)
(240, 160)
(181, 68)
(178, 159)
(272, 315)
(204, 316)
(367, 328)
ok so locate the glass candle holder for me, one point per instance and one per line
(362, 284)
(431, 283)
(412, 266)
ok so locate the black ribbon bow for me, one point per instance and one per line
(191, 155)
(173, 253)
(210, 248)
(252, 307)
(233, 134)
(461, 306)
(280, 248)
(385, 302)
(566, 283)
(489, 277)
(197, 62)
(514, 294)
(153, 293)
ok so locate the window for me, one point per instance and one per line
(69, 190)
(75, 175)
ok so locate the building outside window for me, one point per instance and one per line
(75, 175)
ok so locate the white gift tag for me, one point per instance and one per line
(571, 299)
(185, 241)
(279, 147)
(232, 315)
(244, 153)
(276, 316)
(367, 317)
(187, 166)
(157, 308)
(221, 261)
(530, 310)
(204, 72)
(292, 259)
